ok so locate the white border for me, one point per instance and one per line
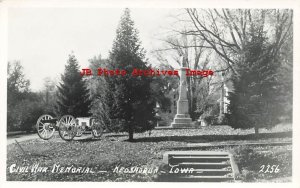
(4, 5)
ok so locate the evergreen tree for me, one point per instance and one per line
(73, 96)
(129, 99)
(97, 87)
(255, 101)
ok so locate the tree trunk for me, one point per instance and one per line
(130, 132)
(256, 131)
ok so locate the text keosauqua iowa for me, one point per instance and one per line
(149, 72)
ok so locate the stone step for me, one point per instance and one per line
(199, 156)
(183, 120)
(204, 178)
(182, 116)
(213, 171)
(178, 159)
(203, 172)
(196, 153)
(182, 125)
(208, 165)
(199, 166)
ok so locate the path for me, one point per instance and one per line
(21, 138)
(32, 136)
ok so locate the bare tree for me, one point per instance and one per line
(226, 31)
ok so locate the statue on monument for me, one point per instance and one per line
(183, 61)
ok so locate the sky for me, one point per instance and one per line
(42, 38)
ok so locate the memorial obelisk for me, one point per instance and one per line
(182, 118)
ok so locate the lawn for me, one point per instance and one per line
(98, 159)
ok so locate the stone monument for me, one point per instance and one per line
(182, 118)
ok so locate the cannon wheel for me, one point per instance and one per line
(97, 129)
(67, 127)
(45, 130)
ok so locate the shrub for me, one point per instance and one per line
(24, 115)
(165, 118)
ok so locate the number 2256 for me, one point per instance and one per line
(269, 169)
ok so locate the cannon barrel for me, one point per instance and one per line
(54, 120)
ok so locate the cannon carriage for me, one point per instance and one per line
(68, 126)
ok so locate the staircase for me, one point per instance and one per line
(199, 166)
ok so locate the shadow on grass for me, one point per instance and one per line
(89, 140)
(211, 138)
(116, 135)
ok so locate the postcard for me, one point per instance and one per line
(196, 93)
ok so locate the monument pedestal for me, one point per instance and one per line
(181, 121)
(182, 118)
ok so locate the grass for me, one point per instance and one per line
(114, 150)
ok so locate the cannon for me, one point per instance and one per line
(68, 126)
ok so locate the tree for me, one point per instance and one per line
(23, 106)
(17, 84)
(256, 101)
(73, 95)
(285, 75)
(130, 104)
(24, 114)
(251, 43)
(97, 86)
(162, 87)
(227, 31)
(48, 96)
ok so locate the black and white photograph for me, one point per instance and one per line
(149, 94)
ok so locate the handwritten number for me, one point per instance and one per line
(269, 169)
(262, 168)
